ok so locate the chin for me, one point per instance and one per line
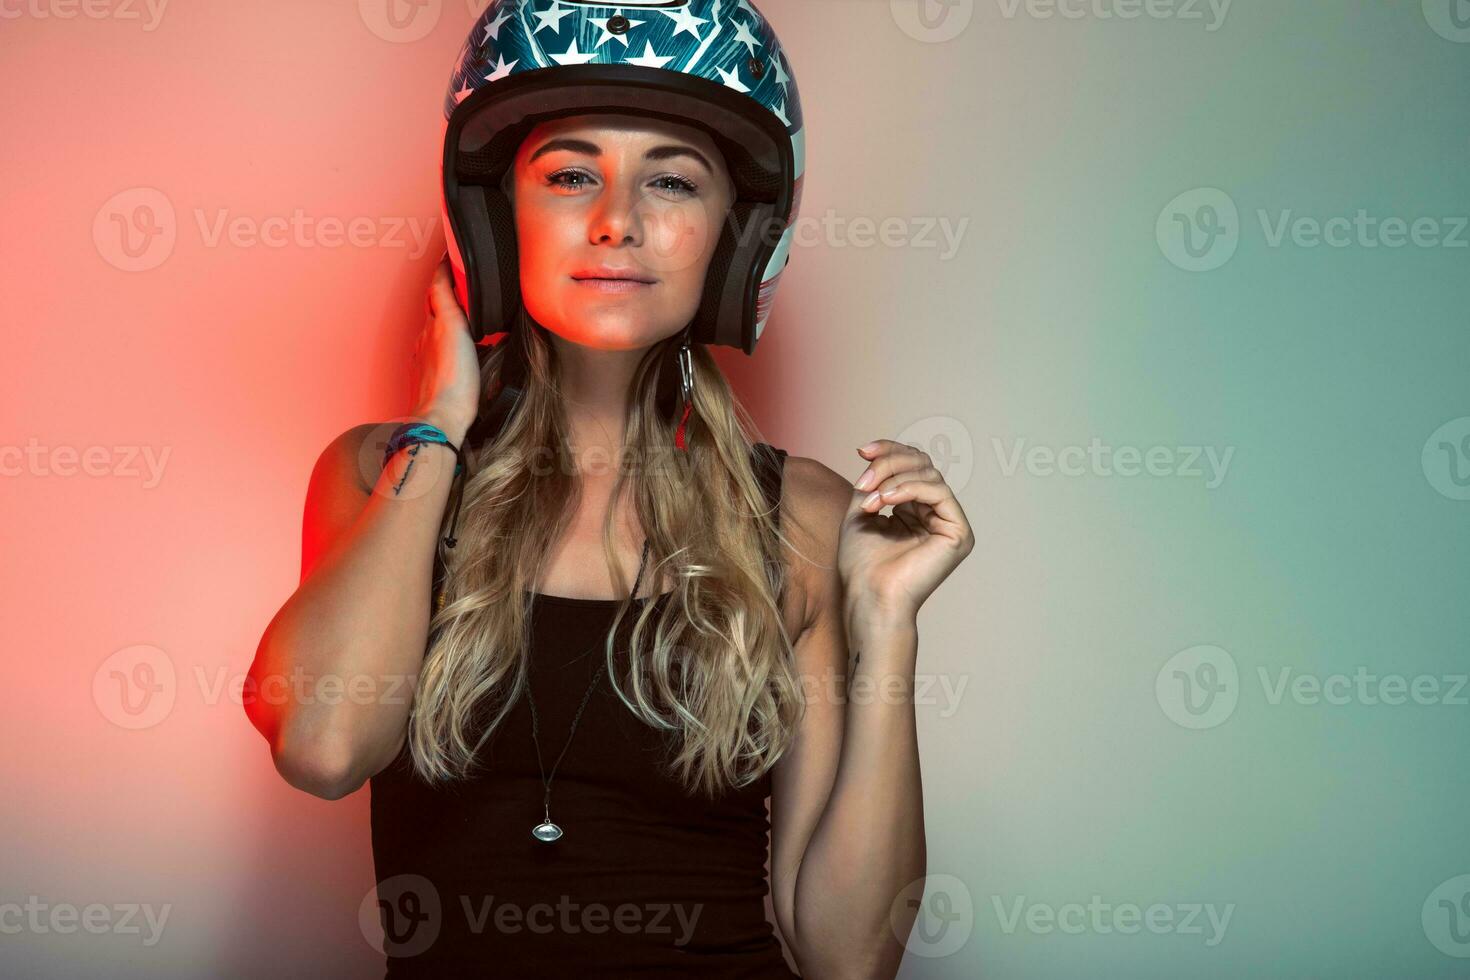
(615, 332)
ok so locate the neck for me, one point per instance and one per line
(594, 385)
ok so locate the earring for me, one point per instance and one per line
(686, 389)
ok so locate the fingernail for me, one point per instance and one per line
(868, 448)
(871, 498)
(865, 481)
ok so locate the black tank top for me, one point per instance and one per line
(649, 880)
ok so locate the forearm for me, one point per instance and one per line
(869, 842)
(334, 675)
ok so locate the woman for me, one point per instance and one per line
(574, 778)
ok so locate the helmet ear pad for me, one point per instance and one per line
(491, 254)
(492, 230)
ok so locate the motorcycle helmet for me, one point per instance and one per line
(715, 64)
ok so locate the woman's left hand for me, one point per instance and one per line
(890, 565)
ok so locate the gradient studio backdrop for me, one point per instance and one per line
(1177, 292)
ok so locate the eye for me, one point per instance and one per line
(681, 186)
(555, 180)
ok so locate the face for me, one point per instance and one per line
(603, 196)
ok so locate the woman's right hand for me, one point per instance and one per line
(447, 362)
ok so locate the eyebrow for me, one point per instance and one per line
(593, 150)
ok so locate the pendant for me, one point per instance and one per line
(547, 831)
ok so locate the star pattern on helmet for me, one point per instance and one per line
(551, 18)
(608, 35)
(735, 48)
(501, 69)
(781, 77)
(743, 36)
(732, 79)
(571, 56)
(492, 29)
(685, 21)
(649, 58)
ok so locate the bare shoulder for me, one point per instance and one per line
(814, 501)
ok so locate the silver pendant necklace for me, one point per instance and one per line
(546, 831)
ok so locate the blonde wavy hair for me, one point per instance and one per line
(718, 666)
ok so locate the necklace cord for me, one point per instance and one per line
(545, 779)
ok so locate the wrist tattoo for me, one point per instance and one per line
(412, 452)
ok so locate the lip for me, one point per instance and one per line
(614, 285)
(608, 274)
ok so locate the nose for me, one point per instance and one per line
(616, 216)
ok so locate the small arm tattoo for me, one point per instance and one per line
(412, 452)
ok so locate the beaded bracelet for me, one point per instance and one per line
(412, 433)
